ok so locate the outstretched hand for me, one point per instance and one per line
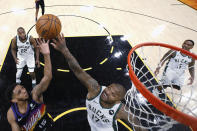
(43, 46)
(60, 43)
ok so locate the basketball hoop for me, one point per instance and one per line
(184, 116)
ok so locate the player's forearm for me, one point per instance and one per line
(166, 56)
(47, 67)
(162, 61)
(72, 62)
(37, 53)
(191, 71)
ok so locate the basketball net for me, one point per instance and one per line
(158, 109)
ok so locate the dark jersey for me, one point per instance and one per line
(35, 119)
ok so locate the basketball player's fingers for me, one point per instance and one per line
(47, 42)
(43, 40)
(58, 37)
(39, 41)
(62, 36)
(53, 45)
(55, 41)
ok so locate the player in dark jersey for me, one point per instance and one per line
(28, 112)
(42, 5)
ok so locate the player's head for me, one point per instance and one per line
(188, 44)
(16, 93)
(113, 93)
(21, 33)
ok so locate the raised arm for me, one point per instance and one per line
(166, 57)
(13, 50)
(191, 71)
(44, 83)
(122, 114)
(33, 42)
(12, 121)
(90, 83)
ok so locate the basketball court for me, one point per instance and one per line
(100, 35)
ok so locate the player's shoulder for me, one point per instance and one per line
(9, 110)
(14, 38)
(31, 38)
(172, 53)
(10, 113)
(120, 111)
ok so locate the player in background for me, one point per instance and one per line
(22, 48)
(178, 63)
(42, 5)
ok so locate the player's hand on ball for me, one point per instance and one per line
(43, 46)
(60, 43)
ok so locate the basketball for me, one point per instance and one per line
(48, 26)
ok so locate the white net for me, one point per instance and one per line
(176, 92)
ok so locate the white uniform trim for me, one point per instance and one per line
(100, 118)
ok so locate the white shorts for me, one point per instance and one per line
(26, 60)
(173, 77)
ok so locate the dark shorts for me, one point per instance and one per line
(41, 3)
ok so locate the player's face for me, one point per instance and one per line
(187, 45)
(110, 94)
(22, 34)
(20, 93)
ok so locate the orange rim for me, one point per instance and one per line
(163, 107)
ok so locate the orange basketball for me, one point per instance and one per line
(48, 26)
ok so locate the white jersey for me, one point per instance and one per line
(100, 118)
(179, 62)
(24, 48)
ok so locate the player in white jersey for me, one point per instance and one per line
(22, 49)
(104, 105)
(178, 63)
(27, 112)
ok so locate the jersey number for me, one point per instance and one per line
(180, 65)
(95, 118)
(23, 51)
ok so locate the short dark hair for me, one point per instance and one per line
(121, 89)
(20, 28)
(190, 41)
(9, 91)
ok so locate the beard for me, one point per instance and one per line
(21, 38)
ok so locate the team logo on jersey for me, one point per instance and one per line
(32, 106)
(111, 112)
(19, 119)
